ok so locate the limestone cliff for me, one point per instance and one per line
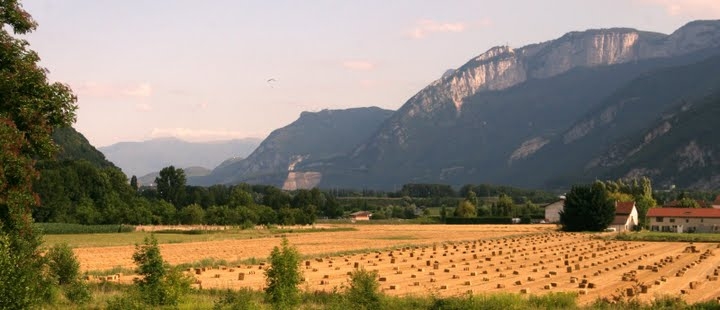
(504, 67)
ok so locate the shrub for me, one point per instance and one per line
(283, 277)
(78, 292)
(159, 284)
(243, 299)
(63, 264)
(364, 292)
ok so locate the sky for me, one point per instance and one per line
(199, 70)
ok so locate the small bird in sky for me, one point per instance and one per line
(271, 81)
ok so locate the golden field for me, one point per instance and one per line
(452, 260)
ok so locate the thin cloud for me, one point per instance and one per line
(694, 8)
(143, 90)
(112, 90)
(198, 134)
(143, 107)
(427, 26)
(358, 65)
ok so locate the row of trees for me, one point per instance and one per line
(592, 207)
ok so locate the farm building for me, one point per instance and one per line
(360, 216)
(684, 219)
(552, 211)
(626, 216)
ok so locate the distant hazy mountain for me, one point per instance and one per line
(314, 136)
(141, 158)
(149, 178)
(519, 116)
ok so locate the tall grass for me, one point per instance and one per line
(666, 237)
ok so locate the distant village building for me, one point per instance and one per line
(716, 203)
(552, 211)
(626, 216)
(684, 219)
(360, 216)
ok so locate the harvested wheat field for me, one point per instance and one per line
(454, 260)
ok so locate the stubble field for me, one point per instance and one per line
(455, 260)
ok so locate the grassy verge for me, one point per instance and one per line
(80, 240)
(665, 236)
(250, 299)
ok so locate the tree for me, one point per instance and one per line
(171, 185)
(192, 214)
(688, 203)
(30, 109)
(134, 182)
(283, 277)
(587, 208)
(465, 209)
(158, 284)
(505, 205)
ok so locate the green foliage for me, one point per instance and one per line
(687, 202)
(30, 108)
(465, 209)
(364, 291)
(478, 220)
(283, 277)
(587, 208)
(78, 292)
(74, 146)
(159, 285)
(66, 229)
(63, 264)
(427, 190)
(242, 299)
(171, 185)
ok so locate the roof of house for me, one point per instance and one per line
(624, 208)
(361, 213)
(717, 200)
(684, 212)
(620, 220)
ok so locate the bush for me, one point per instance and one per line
(160, 284)
(63, 264)
(243, 299)
(23, 268)
(283, 277)
(364, 292)
(78, 292)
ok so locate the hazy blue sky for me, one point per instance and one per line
(198, 70)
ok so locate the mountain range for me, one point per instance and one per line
(595, 104)
(545, 115)
(141, 158)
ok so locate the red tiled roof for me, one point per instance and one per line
(624, 207)
(717, 200)
(684, 212)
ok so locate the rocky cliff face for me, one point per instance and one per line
(313, 136)
(504, 67)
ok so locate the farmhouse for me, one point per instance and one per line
(552, 211)
(684, 219)
(626, 216)
(360, 216)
